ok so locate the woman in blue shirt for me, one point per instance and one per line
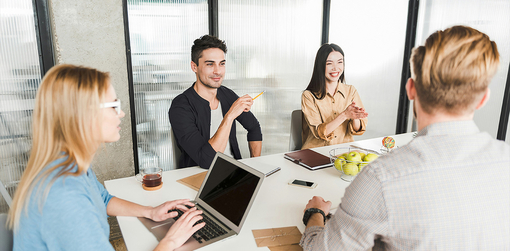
(59, 203)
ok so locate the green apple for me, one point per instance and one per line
(339, 162)
(350, 169)
(354, 156)
(345, 155)
(362, 155)
(370, 157)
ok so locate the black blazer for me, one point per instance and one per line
(190, 117)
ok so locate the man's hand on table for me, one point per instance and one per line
(319, 203)
(160, 213)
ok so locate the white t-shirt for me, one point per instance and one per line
(216, 118)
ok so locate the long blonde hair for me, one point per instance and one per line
(453, 69)
(66, 109)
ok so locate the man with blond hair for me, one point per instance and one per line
(449, 188)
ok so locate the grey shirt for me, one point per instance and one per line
(448, 189)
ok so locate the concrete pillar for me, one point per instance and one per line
(91, 33)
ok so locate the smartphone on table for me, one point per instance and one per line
(303, 183)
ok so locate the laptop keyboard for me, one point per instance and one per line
(210, 231)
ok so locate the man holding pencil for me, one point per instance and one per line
(203, 117)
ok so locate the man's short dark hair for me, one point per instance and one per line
(203, 43)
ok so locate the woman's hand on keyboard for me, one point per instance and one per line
(162, 212)
(182, 229)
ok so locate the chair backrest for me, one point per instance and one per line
(175, 150)
(296, 128)
(5, 194)
(5, 234)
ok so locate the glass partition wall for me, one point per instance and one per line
(260, 58)
(161, 34)
(20, 76)
(372, 35)
(490, 17)
(272, 46)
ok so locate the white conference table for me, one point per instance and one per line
(276, 205)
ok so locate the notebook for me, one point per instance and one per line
(225, 197)
(309, 159)
(194, 181)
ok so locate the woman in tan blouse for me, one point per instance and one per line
(332, 110)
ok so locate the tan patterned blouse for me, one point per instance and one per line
(317, 113)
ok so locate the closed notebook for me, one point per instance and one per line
(309, 159)
(194, 181)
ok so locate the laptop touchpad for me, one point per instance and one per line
(159, 229)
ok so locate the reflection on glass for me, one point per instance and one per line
(489, 17)
(161, 34)
(19, 79)
(372, 35)
(271, 46)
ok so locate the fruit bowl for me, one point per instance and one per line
(349, 161)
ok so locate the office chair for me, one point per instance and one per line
(6, 238)
(5, 194)
(296, 128)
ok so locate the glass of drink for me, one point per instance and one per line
(151, 178)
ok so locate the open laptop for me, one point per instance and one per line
(225, 197)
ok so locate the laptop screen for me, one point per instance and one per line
(229, 190)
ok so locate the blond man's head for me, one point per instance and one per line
(453, 69)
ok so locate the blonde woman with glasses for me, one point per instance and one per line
(59, 203)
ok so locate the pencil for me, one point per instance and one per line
(258, 95)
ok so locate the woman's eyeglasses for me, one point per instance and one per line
(115, 104)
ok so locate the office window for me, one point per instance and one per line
(490, 17)
(372, 35)
(161, 34)
(271, 47)
(19, 79)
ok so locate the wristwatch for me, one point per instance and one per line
(309, 212)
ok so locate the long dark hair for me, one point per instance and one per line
(317, 85)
